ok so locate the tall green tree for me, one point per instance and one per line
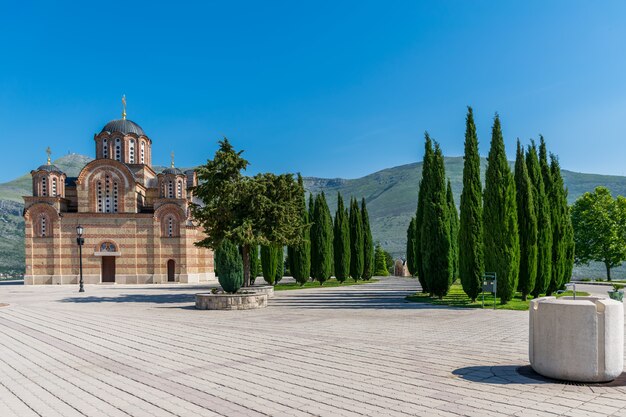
(410, 248)
(419, 214)
(248, 211)
(454, 232)
(544, 228)
(368, 243)
(321, 241)
(501, 238)
(562, 233)
(272, 263)
(600, 229)
(380, 262)
(526, 224)
(341, 242)
(356, 241)
(301, 252)
(471, 258)
(436, 243)
(230, 266)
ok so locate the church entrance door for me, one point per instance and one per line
(108, 269)
(171, 269)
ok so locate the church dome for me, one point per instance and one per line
(173, 170)
(49, 168)
(124, 126)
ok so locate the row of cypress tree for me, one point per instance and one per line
(518, 227)
(343, 246)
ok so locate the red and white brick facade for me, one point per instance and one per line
(128, 212)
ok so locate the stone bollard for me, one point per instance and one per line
(578, 340)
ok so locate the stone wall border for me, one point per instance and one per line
(244, 301)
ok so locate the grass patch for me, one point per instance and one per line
(314, 284)
(457, 298)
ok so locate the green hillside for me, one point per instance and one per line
(391, 196)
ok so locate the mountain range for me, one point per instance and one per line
(390, 195)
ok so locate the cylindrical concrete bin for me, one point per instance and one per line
(578, 340)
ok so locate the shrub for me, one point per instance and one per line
(230, 267)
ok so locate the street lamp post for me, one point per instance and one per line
(80, 242)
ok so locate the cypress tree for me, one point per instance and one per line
(436, 244)
(544, 228)
(230, 266)
(471, 259)
(556, 248)
(272, 263)
(380, 262)
(321, 241)
(356, 241)
(368, 243)
(255, 263)
(341, 243)
(454, 232)
(526, 225)
(302, 253)
(419, 215)
(311, 213)
(410, 247)
(562, 232)
(501, 237)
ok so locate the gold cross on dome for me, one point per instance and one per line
(49, 152)
(124, 107)
(172, 155)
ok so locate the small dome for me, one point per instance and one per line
(124, 126)
(173, 170)
(49, 168)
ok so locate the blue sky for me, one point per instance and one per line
(332, 89)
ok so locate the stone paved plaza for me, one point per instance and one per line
(359, 350)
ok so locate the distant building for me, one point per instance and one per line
(137, 223)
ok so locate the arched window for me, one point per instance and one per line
(54, 187)
(179, 190)
(170, 189)
(118, 149)
(131, 151)
(44, 186)
(43, 227)
(99, 196)
(143, 152)
(105, 148)
(107, 195)
(169, 226)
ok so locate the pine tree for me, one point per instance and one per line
(544, 228)
(368, 243)
(436, 244)
(501, 237)
(562, 233)
(526, 224)
(454, 232)
(471, 259)
(380, 262)
(341, 244)
(321, 241)
(356, 241)
(419, 215)
(410, 248)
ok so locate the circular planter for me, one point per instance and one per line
(259, 289)
(579, 340)
(244, 301)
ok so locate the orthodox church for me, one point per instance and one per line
(137, 226)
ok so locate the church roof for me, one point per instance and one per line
(124, 126)
(172, 170)
(49, 168)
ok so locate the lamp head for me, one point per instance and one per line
(79, 230)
